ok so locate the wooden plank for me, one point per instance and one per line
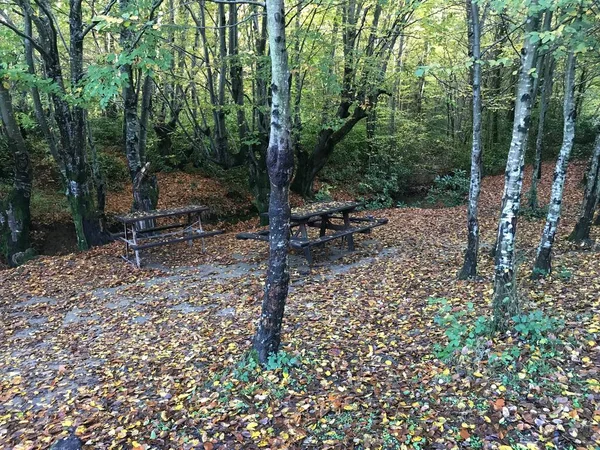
(253, 236)
(158, 213)
(303, 242)
(300, 214)
(173, 241)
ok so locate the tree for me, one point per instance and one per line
(280, 163)
(543, 260)
(469, 268)
(504, 301)
(581, 232)
(547, 62)
(15, 217)
(135, 129)
(68, 113)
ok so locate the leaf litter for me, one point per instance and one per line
(158, 357)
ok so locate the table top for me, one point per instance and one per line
(320, 209)
(138, 216)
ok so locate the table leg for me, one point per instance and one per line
(136, 251)
(126, 243)
(307, 253)
(346, 216)
(199, 219)
(324, 223)
(190, 229)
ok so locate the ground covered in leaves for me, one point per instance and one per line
(382, 348)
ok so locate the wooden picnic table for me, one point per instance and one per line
(334, 216)
(141, 231)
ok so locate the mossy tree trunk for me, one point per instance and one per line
(581, 232)
(144, 184)
(15, 218)
(71, 150)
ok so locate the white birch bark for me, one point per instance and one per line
(280, 164)
(505, 303)
(543, 261)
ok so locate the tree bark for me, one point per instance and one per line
(71, 156)
(543, 261)
(505, 302)
(581, 232)
(144, 185)
(280, 164)
(549, 63)
(258, 177)
(15, 217)
(469, 268)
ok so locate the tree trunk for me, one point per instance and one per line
(280, 165)
(543, 261)
(258, 177)
(144, 186)
(469, 268)
(505, 303)
(309, 165)
(15, 218)
(581, 233)
(547, 82)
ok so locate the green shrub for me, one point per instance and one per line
(107, 131)
(450, 190)
(113, 169)
(6, 161)
(385, 181)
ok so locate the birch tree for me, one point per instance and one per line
(505, 302)
(469, 268)
(543, 260)
(280, 164)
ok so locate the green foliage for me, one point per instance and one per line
(535, 214)
(384, 182)
(6, 161)
(459, 331)
(113, 169)
(324, 193)
(449, 190)
(108, 131)
(469, 334)
(536, 327)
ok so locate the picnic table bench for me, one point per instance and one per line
(141, 231)
(334, 216)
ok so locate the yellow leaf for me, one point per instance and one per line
(478, 374)
(67, 423)
(251, 426)
(163, 416)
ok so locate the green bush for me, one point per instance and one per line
(107, 131)
(449, 190)
(6, 161)
(113, 169)
(385, 181)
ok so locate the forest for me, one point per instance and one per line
(467, 132)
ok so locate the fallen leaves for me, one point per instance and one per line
(154, 358)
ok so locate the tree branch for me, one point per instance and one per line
(37, 46)
(91, 26)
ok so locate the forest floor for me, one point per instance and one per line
(158, 357)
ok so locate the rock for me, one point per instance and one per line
(69, 443)
(226, 312)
